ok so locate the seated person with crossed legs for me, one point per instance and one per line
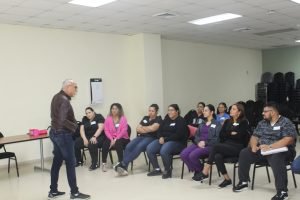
(147, 133)
(273, 132)
(206, 137)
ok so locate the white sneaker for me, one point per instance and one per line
(121, 171)
(104, 167)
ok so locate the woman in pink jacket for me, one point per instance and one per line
(115, 128)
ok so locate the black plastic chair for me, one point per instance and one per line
(8, 155)
(265, 164)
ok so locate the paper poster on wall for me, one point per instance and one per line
(96, 90)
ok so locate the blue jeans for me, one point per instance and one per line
(134, 148)
(63, 150)
(296, 165)
(166, 151)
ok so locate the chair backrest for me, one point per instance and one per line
(128, 130)
(2, 145)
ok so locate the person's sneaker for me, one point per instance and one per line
(93, 167)
(53, 195)
(80, 163)
(281, 196)
(197, 176)
(225, 183)
(167, 174)
(121, 171)
(79, 195)
(115, 167)
(240, 187)
(202, 177)
(155, 173)
(104, 167)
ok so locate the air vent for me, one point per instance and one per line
(165, 15)
(281, 46)
(276, 31)
(243, 29)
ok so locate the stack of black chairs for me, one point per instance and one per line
(280, 88)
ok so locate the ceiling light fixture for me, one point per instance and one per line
(91, 3)
(214, 19)
(297, 41)
(296, 1)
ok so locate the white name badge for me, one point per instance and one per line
(213, 125)
(93, 122)
(145, 121)
(222, 118)
(173, 124)
(235, 124)
(117, 125)
(276, 128)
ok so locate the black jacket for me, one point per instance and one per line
(62, 114)
(173, 130)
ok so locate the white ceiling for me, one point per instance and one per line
(129, 17)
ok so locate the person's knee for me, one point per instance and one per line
(150, 150)
(244, 154)
(218, 157)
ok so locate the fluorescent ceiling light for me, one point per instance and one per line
(296, 1)
(297, 41)
(216, 18)
(91, 3)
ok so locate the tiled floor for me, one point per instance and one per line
(33, 185)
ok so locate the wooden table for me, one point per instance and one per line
(27, 138)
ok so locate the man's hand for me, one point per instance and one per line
(264, 147)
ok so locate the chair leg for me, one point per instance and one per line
(210, 174)
(99, 152)
(268, 174)
(131, 165)
(295, 183)
(8, 169)
(146, 160)
(149, 167)
(83, 156)
(111, 158)
(17, 168)
(182, 170)
(234, 174)
(253, 176)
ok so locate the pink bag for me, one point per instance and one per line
(37, 132)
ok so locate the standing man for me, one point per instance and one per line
(63, 126)
(273, 132)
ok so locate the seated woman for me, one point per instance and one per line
(195, 117)
(206, 136)
(234, 136)
(115, 128)
(222, 113)
(172, 134)
(91, 136)
(147, 133)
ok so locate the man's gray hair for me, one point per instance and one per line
(67, 82)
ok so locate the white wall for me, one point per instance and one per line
(136, 71)
(35, 61)
(282, 60)
(209, 73)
